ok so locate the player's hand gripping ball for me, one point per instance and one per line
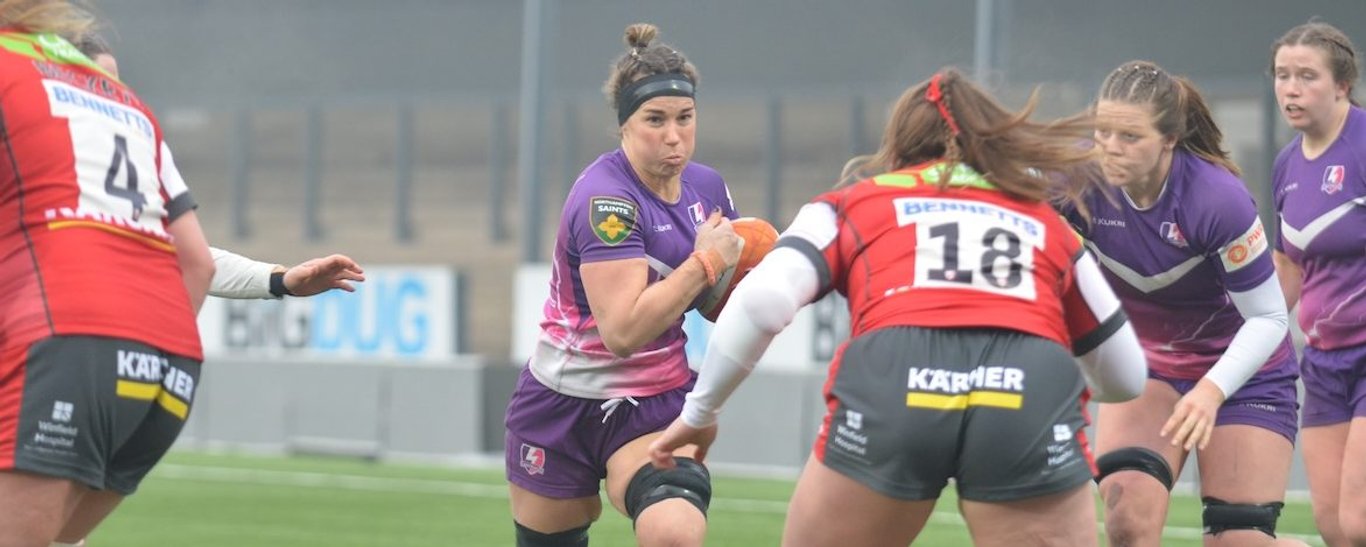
(757, 237)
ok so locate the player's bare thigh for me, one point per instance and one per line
(1353, 481)
(1066, 518)
(550, 515)
(1325, 448)
(830, 509)
(1139, 423)
(34, 507)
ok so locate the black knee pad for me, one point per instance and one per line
(1134, 458)
(526, 537)
(689, 481)
(1221, 516)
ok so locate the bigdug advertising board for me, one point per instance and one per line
(397, 313)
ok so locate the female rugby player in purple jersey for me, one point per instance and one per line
(1319, 183)
(1180, 241)
(643, 232)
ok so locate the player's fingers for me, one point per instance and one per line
(1178, 427)
(1207, 434)
(343, 285)
(1172, 423)
(338, 260)
(701, 454)
(1183, 431)
(660, 456)
(1197, 432)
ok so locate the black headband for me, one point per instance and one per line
(668, 84)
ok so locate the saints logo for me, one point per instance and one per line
(612, 218)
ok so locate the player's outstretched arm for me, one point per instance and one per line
(320, 275)
(240, 277)
(1107, 348)
(762, 305)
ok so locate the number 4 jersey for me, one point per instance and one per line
(912, 252)
(85, 205)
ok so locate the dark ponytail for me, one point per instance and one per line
(1202, 136)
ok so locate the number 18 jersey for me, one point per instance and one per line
(910, 252)
(84, 205)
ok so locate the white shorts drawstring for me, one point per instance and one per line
(611, 405)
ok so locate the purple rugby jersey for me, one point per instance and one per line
(1322, 209)
(611, 215)
(1174, 263)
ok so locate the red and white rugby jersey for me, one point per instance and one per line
(84, 205)
(910, 252)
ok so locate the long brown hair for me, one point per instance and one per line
(1178, 109)
(960, 122)
(67, 18)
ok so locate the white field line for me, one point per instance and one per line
(364, 483)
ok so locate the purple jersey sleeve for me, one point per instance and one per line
(602, 216)
(1227, 229)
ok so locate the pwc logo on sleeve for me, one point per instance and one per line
(612, 218)
(1246, 247)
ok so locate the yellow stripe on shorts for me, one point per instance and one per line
(936, 401)
(137, 390)
(152, 392)
(173, 405)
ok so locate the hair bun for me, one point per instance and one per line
(640, 35)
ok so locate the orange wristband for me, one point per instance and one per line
(706, 264)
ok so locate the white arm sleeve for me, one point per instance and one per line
(1264, 327)
(178, 193)
(764, 302)
(1115, 369)
(239, 277)
(170, 174)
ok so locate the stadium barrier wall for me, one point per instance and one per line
(361, 408)
(453, 410)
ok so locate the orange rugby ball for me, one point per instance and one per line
(757, 237)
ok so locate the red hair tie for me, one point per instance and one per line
(936, 96)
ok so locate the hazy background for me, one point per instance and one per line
(235, 83)
(389, 131)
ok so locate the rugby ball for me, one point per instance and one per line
(757, 237)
